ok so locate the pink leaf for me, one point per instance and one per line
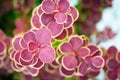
(47, 54)
(70, 30)
(93, 49)
(60, 17)
(29, 36)
(76, 43)
(16, 43)
(62, 36)
(39, 10)
(16, 67)
(2, 47)
(46, 18)
(97, 61)
(84, 52)
(12, 55)
(43, 36)
(33, 71)
(118, 56)
(68, 22)
(92, 66)
(66, 48)
(112, 50)
(66, 73)
(56, 29)
(39, 64)
(111, 74)
(63, 5)
(32, 46)
(36, 54)
(26, 55)
(25, 63)
(48, 6)
(74, 13)
(23, 43)
(69, 62)
(112, 63)
(35, 21)
(17, 57)
(82, 69)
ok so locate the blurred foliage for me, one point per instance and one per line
(7, 22)
(37, 2)
(6, 77)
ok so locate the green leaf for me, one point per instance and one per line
(37, 2)
(8, 22)
(56, 43)
(69, 78)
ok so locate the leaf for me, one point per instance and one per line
(56, 43)
(37, 2)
